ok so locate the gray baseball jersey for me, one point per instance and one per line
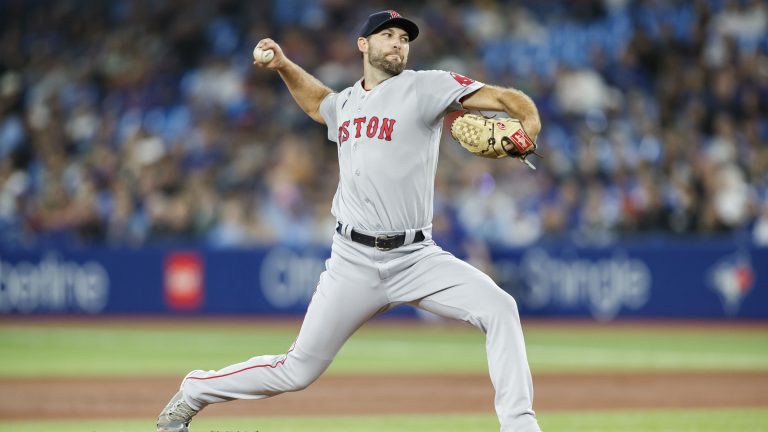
(388, 145)
(388, 141)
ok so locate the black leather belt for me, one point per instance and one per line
(382, 242)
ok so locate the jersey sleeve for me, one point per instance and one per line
(442, 91)
(328, 112)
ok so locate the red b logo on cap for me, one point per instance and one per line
(393, 14)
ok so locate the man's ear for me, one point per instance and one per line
(362, 44)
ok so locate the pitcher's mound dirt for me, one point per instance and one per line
(74, 398)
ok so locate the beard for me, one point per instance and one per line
(379, 60)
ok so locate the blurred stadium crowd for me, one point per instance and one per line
(129, 123)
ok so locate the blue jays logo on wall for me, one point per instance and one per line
(732, 277)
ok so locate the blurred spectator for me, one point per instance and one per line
(133, 123)
(760, 231)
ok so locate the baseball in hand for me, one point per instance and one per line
(263, 56)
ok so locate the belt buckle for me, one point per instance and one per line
(383, 238)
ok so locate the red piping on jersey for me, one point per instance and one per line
(271, 366)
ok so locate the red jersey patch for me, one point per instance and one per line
(461, 79)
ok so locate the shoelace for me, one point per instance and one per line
(180, 411)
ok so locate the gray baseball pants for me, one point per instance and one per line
(361, 282)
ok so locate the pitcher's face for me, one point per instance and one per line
(388, 50)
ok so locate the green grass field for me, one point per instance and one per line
(136, 348)
(140, 349)
(742, 420)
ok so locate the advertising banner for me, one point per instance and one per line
(687, 280)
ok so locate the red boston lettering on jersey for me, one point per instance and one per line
(387, 125)
(382, 127)
(343, 132)
(373, 125)
(358, 122)
(461, 79)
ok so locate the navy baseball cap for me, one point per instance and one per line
(386, 19)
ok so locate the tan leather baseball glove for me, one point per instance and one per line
(492, 137)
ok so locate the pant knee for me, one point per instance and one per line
(305, 372)
(503, 310)
(302, 381)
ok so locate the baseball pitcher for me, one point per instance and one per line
(387, 128)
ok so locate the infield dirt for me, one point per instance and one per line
(93, 398)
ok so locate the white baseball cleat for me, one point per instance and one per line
(176, 415)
